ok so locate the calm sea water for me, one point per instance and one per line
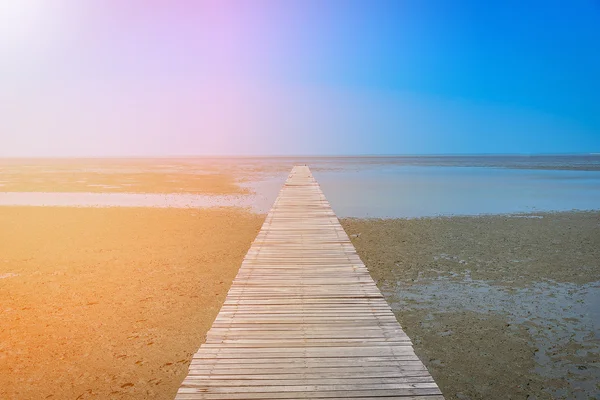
(420, 186)
(390, 190)
(391, 186)
(585, 162)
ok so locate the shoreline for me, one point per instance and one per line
(521, 214)
(461, 285)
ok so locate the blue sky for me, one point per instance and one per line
(300, 77)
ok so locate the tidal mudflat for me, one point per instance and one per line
(111, 302)
(109, 292)
(209, 176)
(109, 299)
(372, 187)
(498, 307)
(203, 183)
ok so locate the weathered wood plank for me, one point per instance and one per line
(303, 318)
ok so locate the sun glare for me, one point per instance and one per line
(22, 22)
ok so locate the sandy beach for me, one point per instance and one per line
(498, 307)
(111, 302)
(119, 176)
(143, 146)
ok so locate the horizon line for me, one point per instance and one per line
(299, 155)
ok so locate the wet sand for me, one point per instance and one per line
(143, 182)
(82, 176)
(111, 302)
(498, 307)
(206, 175)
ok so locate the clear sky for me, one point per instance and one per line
(185, 77)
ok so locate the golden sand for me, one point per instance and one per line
(80, 179)
(113, 302)
(134, 175)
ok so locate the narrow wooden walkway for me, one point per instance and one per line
(303, 318)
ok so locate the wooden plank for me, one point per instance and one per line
(303, 318)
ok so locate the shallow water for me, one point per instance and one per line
(265, 190)
(411, 187)
(257, 203)
(389, 187)
(563, 320)
(391, 191)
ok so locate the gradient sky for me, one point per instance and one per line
(152, 77)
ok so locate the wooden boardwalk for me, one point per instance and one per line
(304, 319)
